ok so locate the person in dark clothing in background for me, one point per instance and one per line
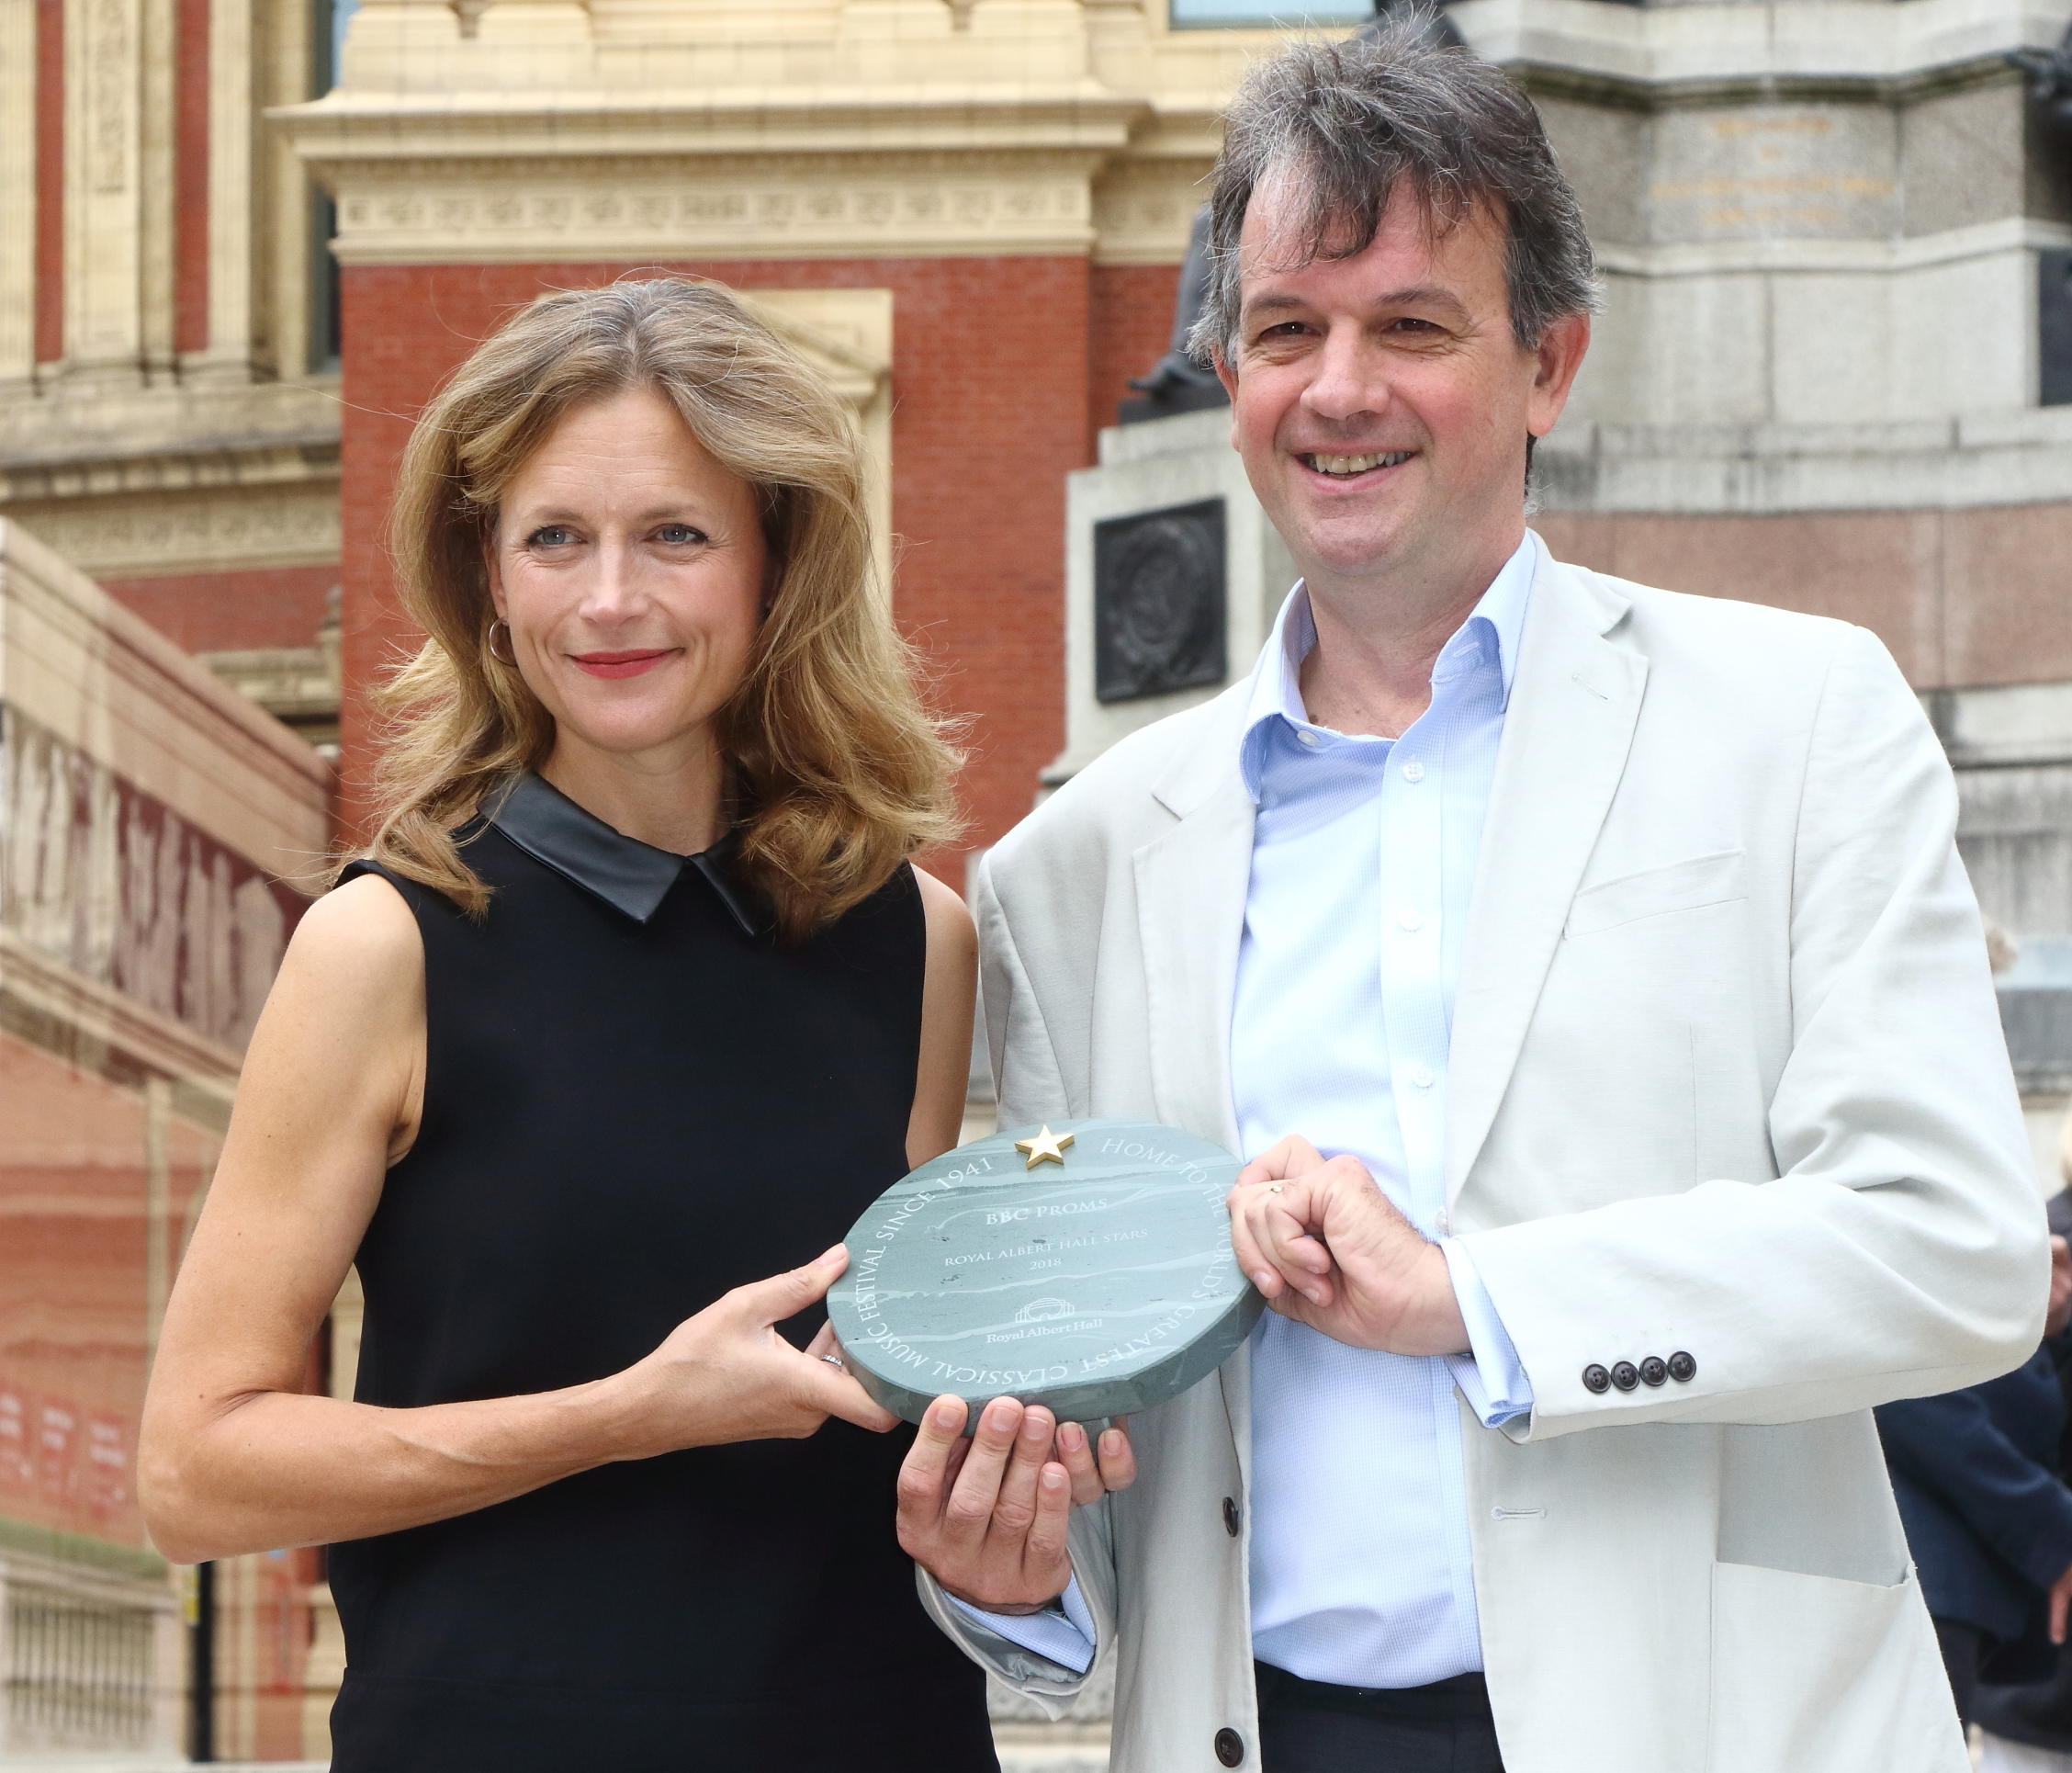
(1989, 1517)
(2027, 1728)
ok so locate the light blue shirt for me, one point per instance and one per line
(1362, 865)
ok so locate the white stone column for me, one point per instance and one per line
(17, 196)
(157, 193)
(169, 1672)
(279, 198)
(104, 238)
(231, 194)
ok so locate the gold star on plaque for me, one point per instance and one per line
(1046, 1147)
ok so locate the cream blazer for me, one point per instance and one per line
(1727, 1079)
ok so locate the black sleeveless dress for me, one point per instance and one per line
(635, 1100)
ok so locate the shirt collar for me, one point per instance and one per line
(631, 877)
(1499, 616)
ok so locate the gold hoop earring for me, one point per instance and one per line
(500, 657)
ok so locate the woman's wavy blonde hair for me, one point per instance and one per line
(837, 771)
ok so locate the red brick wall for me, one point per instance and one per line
(1132, 321)
(50, 180)
(230, 611)
(190, 177)
(1963, 598)
(991, 388)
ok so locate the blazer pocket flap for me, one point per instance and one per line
(1680, 887)
(1816, 1674)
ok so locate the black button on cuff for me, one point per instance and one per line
(1597, 1379)
(1626, 1375)
(1682, 1368)
(1653, 1370)
(1229, 1747)
(1230, 1516)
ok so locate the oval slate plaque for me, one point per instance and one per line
(1094, 1284)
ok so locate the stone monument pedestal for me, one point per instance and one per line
(1173, 577)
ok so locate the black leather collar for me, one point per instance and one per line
(627, 875)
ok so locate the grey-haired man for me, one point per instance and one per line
(1589, 973)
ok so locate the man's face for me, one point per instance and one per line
(1381, 402)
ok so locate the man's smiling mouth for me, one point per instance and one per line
(1344, 467)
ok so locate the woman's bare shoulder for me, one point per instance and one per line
(359, 940)
(945, 910)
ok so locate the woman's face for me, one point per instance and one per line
(631, 568)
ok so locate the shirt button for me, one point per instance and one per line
(1653, 1370)
(1230, 1516)
(1421, 1078)
(1410, 920)
(1308, 738)
(1414, 771)
(1682, 1368)
(1626, 1375)
(1229, 1747)
(1596, 1378)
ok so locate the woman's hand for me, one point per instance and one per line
(725, 1374)
(985, 1517)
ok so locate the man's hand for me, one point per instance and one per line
(1328, 1249)
(2059, 1313)
(2060, 1598)
(985, 1517)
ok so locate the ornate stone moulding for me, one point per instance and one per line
(115, 534)
(738, 118)
(206, 466)
(262, 432)
(148, 817)
(938, 170)
(686, 208)
(1771, 470)
(1664, 54)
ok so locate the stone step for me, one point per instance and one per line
(1024, 1748)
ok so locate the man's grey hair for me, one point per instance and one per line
(1344, 123)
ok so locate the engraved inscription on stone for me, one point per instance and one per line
(1775, 172)
(1095, 1286)
(1159, 600)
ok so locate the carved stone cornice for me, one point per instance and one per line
(797, 205)
(805, 128)
(207, 465)
(1544, 79)
(724, 120)
(64, 440)
(132, 533)
(1142, 209)
(1882, 50)
(292, 683)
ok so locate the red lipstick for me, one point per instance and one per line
(622, 664)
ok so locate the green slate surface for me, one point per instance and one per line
(1095, 1287)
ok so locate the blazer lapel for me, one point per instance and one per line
(1191, 884)
(1574, 700)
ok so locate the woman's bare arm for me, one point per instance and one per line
(949, 997)
(234, 1458)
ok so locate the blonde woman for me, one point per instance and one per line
(634, 1001)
